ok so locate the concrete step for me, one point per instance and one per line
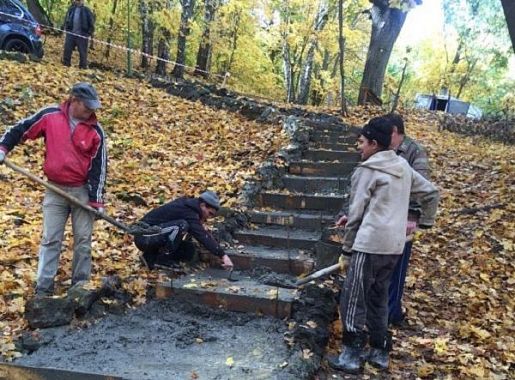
(332, 137)
(332, 146)
(310, 184)
(16, 371)
(213, 288)
(322, 169)
(331, 155)
(300, 201)
(278, 236)
(302, 219)
(292, 261)
(327, 126)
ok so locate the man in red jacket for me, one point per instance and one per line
(76, 162)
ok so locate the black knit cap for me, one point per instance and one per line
(380, 129)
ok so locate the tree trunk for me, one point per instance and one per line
(39, 13)
(398, 93)
(509, 14)
(287, 66)
(307, 68)
(466, 77)
(184, 31)
(234, 39)
(111, 30)
(341, 56)
(204, 49)
(163, 51)
(386, 26)
(147, 33)
(318, 95)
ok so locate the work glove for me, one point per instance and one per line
(2, 156)
(344, 262)
(227, 263)
(411, 227)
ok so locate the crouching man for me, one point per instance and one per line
(374, 235)
(180, 219)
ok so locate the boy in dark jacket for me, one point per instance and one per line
(176, 219)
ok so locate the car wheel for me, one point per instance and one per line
(17, 44)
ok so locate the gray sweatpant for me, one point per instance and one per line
(364, 298)
(56, 210)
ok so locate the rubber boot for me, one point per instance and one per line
(380, 347)
(348, 361)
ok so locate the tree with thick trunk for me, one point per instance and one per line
(39, 12)
(387, 23)
(509, 12)
(147, 32)
(307, 68)
(184, 31)
(111, 30)
(205, 47)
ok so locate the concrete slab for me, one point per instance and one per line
(300, 201)
(311, 184)
(292, 261)
(323, 169)
(276, 236)
(212, 288)
(331, 155)
(327, 126)
(327, 137)
(301, 219)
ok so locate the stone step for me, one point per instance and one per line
(213, 288)
(16, 371)
(292, 261)
(332, 146)
(300, 201)
(278, 236)
(331, 155)
(328, 137)
(310, 184)
(322, 169)
(302, 219)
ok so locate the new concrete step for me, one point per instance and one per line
(322, 169)
(278, 236)
(292, 261)
(331, 155)
(213, 288)
(311, 184)
(300, 201)
(332, 146)
(328, 126)
(302, 219)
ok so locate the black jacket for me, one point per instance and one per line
(189, 210)
(87, 20)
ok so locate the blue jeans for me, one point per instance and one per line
(397, 281)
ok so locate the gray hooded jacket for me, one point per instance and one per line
(380, 191)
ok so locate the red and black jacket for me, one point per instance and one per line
(71, 159)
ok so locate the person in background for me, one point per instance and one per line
(416, 157)
(79, 25)
(76, 162)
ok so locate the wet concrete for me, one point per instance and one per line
(166, 339)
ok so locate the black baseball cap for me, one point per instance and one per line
(87, 93)
(379, 129)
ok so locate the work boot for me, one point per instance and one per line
(349, 360)
(379, 358)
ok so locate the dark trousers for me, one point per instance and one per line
(81, 43)
(364, 298)
(167, 245)
(397, 282)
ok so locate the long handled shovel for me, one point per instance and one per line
(76, 202)
(317, 274)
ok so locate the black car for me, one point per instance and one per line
(19, 31)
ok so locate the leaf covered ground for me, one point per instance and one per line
(460, 289)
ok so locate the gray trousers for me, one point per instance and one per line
(81, 43)
(56, 210)
(364, 298)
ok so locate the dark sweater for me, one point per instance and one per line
(189, 210)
